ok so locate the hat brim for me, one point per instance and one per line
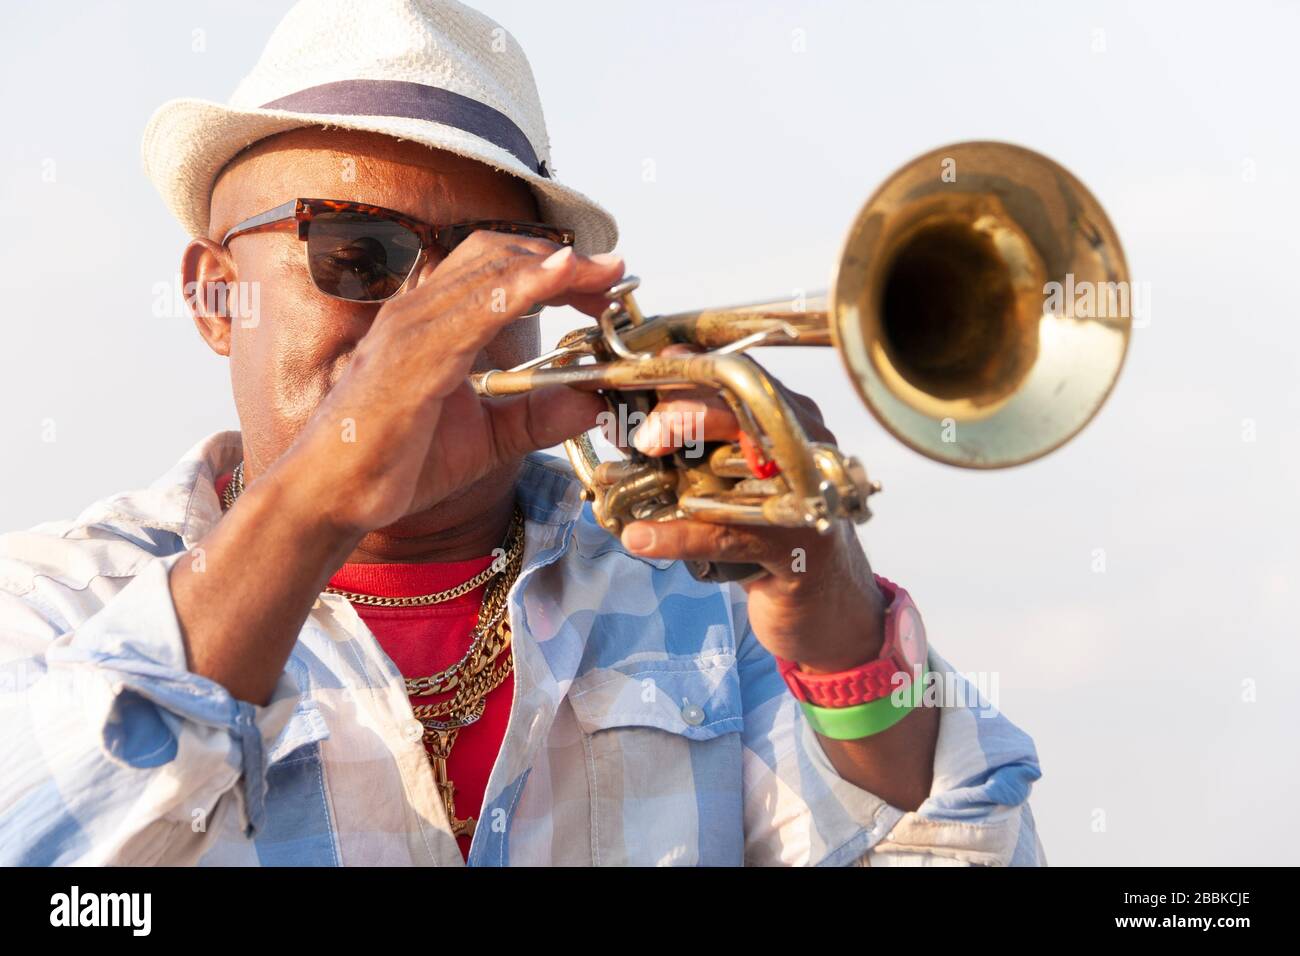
(187, 142)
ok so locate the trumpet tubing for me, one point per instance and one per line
(937, 307)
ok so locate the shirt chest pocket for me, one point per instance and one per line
(662, 746)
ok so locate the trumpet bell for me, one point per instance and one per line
(982, 305)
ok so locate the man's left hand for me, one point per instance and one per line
(819, 603)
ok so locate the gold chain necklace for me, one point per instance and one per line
(482, 669)
(489, 663)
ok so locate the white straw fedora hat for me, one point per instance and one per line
(432, 71)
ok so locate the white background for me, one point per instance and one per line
(1181, 118)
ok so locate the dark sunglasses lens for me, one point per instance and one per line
(357, 257)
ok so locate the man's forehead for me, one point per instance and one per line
(348, 164)
(342, 155)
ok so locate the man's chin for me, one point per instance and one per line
(421, 524)
(450, 517)
(465, 521)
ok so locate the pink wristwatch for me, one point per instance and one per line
(904, 650)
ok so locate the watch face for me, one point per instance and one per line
(911, 638)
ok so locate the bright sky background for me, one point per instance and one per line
(1179, 116)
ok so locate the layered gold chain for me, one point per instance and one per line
(482, 669)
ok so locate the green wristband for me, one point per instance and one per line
(862, 720)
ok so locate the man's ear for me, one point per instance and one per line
(209, 283)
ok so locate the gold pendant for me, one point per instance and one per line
(439, 743)
(459, 828)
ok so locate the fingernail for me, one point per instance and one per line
(607, 259)
(648, 437)
(557, 259)
(638, 537)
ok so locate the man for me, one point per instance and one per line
(376, 626)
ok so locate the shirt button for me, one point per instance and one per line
(691, 714)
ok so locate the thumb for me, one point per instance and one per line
(540, 419)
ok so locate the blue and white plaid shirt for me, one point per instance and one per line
(114, 753)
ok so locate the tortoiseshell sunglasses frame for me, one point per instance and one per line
(444, 237)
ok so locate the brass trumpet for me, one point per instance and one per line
(940, 307)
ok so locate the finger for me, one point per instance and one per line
(806, 410)
(540, 419)
(700, 541)
(593, 275)
(588, 303)
(469, 306)
(684, 423)
(561, 278)
(478, 249)
(590, 279)
(486, 252)
(587, 294)
(689, 416)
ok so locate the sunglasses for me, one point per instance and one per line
(362, 253)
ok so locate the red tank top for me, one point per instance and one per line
(424, 640)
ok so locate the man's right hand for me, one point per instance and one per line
(402, 429)
(421, 433)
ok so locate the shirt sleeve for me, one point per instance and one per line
(114, 753)
(800, 811)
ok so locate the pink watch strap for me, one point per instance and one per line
(859, 685)
(870, 681)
